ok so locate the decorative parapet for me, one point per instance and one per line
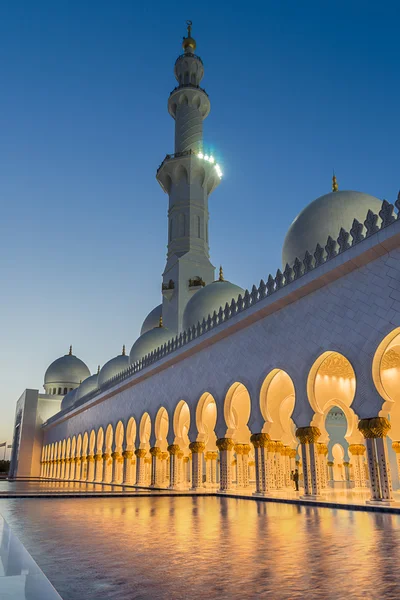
(188, 55)
(359, 231)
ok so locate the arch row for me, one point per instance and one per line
(180, 448)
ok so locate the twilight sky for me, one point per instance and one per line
(296, 90)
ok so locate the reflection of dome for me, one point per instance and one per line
(86, 387)
(113, 367)
(67, 370)
(152, 319)
(68, 399)
(148, 342)
(209, 299)
(323, 218)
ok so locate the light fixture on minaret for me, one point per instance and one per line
(188, 176)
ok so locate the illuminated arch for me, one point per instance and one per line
(237, 409)
(277, 399)
(161, 427)
(206, 419)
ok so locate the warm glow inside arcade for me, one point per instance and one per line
(162, 452)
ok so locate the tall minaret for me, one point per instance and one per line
(188, 177)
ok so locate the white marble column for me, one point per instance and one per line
(374, 431)
(155, 462)
(225, 447)
(140, 467)
(396, 449)
(174, 465)
(197, 449)
(106, 470)
(127, 476)
(238, 448)
(115, 467)
(98, 468)
(308, 437)
(245, 465)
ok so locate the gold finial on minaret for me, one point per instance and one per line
(70, 351)
(123, 350)
(221, 274)
(98, 369)
(188, 42)
(335, 187)
(160, 323)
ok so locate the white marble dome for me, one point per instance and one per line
(209, 299)
(113, 367)
(148, 342)
(67, 370)
(87, 386)
(68, 399)
(324, 217)
(152, 320)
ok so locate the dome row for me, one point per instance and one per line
(323, 217)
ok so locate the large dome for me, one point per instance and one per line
(87, 386)
(148, 342)
(209, 299)
(67, 370)
(113, 367)
(152, 319)
(68, 399)
(323, 218)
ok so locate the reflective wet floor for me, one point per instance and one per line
(180, 547)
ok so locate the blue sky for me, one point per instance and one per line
(296, 90)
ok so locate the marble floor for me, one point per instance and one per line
(20, 576)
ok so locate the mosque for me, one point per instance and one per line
(229, 389)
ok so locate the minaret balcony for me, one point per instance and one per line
(188, 86)
(169, 172)
(188, 55)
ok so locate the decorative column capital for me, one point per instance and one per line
(246, 449)
(279, 447)
(346, 464)
(377, 427)
(90, 458)
(127, 454)
(115, 455)
(260, 440)
(164, 455)
(292, 453)
(155, 451)
(308, 435)
(180, 454)
(98, 457)
(185, 459)
(173, 449)
(225, 444)
(396, 447)
(270, 446)
(141, 452)
(357, 449)
(322, 449)
(197, 447)
(106, 456)
(147, 461)
(330, 463)
(238, 448)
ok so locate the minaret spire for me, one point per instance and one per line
(335, 187)
(188, 176)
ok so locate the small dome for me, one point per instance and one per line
(152, 320)
(324, 217)
(87, 386)
(209, 299)
(68, 399)
(113, 367)
(67, 370)
(148, 342)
